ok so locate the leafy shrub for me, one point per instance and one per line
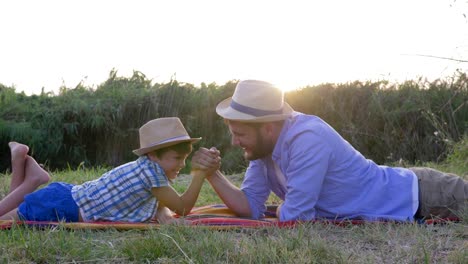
(414, 121)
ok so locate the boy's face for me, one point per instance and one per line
(171, 162)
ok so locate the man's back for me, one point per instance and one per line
(327, 178)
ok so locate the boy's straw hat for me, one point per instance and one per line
(255, 101)
(160, 133)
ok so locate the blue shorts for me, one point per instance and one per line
(51, 203)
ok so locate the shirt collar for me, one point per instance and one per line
(276, 155)
(145, 161)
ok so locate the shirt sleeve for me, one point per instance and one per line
(153, 175)
(309, 157)
(255, 188)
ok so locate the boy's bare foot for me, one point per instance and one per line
(34, 173)
(18, 150)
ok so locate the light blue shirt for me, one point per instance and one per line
(325, 177)
(122, 194)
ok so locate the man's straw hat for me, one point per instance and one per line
(160, 133)
(255, 101)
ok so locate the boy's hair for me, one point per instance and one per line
(181, 148)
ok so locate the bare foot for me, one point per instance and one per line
(34, 173)
(18, 150)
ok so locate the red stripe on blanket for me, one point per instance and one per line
(216, 216)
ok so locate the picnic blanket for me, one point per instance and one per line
(216, 216)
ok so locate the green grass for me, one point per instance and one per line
(305, 244)
(308, 243)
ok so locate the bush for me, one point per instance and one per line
(414, 121)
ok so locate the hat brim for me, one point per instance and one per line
(142, 151)
(225, 110)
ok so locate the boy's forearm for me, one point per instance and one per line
(180, 204)
(190, 196)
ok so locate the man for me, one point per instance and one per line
(317, 173)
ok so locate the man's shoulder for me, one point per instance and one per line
(300, 123)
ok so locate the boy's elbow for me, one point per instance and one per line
(183, 212)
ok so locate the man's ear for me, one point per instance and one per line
(272, 130)
(269, 129)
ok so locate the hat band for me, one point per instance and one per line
(168, 140)
(254, 111)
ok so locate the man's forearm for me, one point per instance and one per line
(231, 195)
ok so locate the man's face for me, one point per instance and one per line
(254, 140)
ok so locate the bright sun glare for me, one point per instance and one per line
(288, 86)
(290, 45)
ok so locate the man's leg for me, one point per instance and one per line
(18, 161)
(442, 195)
(34, 177)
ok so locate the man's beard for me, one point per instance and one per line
(263, 148)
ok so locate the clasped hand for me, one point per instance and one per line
(208, 160)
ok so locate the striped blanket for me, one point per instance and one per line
(216, 216)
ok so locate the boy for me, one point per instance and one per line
(134, 192)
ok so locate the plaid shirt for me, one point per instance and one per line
(122, 194)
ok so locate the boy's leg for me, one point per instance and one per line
(18, 161)
(442, 195)
(35, 176)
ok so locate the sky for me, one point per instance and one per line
(48, 44)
